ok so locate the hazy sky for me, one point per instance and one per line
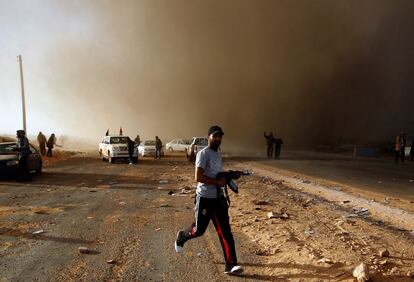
(311, 71)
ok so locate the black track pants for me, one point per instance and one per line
(216, 210)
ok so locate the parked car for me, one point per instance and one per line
(196, 145)
(146, 148)
(177, 145)
(9, 161)
(115, 147)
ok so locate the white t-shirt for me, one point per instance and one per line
(210, 161)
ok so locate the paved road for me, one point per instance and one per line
(120, 212)
(375, 175)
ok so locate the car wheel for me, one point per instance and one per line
(171, 149)
(101, 155)
(111, 159)
(39, 170)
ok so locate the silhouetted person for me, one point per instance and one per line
(158, 147)
(278, 147)
(403, 145)
(397, 148)
(107, 132)
(23, 149)
(50, 144)
(131, 148)
(137, 140)
(269, 142)
(120, 131)
(412, 150)
(41, 139)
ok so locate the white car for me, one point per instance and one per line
(177, 145)
(147, 148)
(115, 147)
(196, 145)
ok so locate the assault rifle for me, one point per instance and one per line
(230, 176)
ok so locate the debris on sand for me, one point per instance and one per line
(170, 192)
(260, 202)
(185, 191)
(165, 206)
(163, 181)
(281, 215)
(83, 250)
(270, 215)
(361, 272)
(158, 229)
(308, 232)
(110, 261)
(384, 253)
(338, 224)
(284, 216)
(40, 231)
(325, 260)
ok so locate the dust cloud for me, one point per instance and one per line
(310, 71)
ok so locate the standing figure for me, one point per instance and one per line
(403, 139)
(137, 140)
(131, 148)
(120, 131)
(41, 139)
(278, 147)
(269, 141)
(50, 144)
(23, 149)
(412, 150)
(397, 148)
(107, 132)
(211, 203)
(158, 147)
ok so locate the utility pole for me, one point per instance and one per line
(19, 59)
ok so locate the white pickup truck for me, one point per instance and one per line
(196, 145)
(115, 147)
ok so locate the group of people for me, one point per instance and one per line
(43, 143)
(400, 144)
(273, 142)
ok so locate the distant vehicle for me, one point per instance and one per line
(115, 147)
(148, 148)
(9, 160)
(196, 145)
(177, 145)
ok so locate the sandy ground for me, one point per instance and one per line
(127, 216)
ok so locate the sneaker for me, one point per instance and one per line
(233, 270)
(178, 247)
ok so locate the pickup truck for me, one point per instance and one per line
(196, 145)
(115, 147)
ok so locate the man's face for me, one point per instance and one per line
(214, 140)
